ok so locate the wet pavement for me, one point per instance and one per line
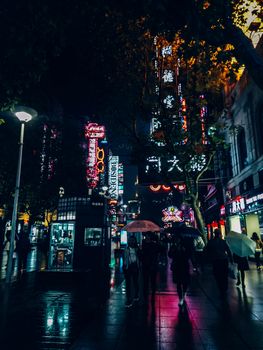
(37, 313)
(206, 322)
(35, 261)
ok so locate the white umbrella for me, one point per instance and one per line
(141, 226)
(240, 244)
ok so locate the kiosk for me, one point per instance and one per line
(80, 238)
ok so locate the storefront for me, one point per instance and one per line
(214, 211)
(254, 213)
(245, 213)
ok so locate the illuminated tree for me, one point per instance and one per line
(100, 52)
(219, 22)
(209, 36)
(185, 100)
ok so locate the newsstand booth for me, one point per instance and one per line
(80, 238)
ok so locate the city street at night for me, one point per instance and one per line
(131, 175)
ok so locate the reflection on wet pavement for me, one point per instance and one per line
(34, 262)
(47, 315)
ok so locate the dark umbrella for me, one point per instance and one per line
(188, 231)
(183, 230)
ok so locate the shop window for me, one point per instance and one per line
(242, 148)
(247, 184)
(259, 129)
(260, 176)
(229, 167)
(61, 245)
(93, 236)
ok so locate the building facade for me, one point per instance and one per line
(244, 133)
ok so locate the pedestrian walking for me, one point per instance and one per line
(6, 244)
(181, 252)
(258, 250)
(131, 270)
(242, 266)
(22, 249)
(43, 251)
(2, 235)
(150, 258)
(163, 251)
(219, 254)
(199, 246)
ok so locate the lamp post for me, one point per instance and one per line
(24, 114)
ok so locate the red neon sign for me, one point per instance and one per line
(157, 188)
(93, 130)
(95, 158)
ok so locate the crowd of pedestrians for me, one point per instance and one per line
(187, 255)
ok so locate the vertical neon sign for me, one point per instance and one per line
(94, 132)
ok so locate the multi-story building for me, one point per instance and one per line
(244, 133)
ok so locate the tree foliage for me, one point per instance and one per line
(95, 58)
(220, 23)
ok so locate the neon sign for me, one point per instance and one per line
(237, 205)
(93, 130)
(254, 199)
(100, 160)
(113, 177)
(120, 178)
(95, 159)
(172, 214)
(203, 113)
(157, 188)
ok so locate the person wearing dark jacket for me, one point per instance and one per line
(131, 270)
(219, 253)
(181, 253)
(242, 266)
(258, 250)
(149, 260)
(22, 249)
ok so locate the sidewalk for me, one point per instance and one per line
(205, 323)
(38, 314)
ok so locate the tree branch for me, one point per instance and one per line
(211, 156)
(246, 53)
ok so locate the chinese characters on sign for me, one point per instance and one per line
(237, 205)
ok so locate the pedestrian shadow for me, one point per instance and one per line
(183, 335)
(140, 324)
(245, 304)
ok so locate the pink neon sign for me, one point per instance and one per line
(93, 132)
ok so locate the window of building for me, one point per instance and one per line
(247, 185)
(260, 176)
(242, 148)
(259, 129)
(93, 236)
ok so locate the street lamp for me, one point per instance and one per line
(24, 114)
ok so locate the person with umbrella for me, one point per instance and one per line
(131, 270)
(242, 266)
(219, 253)
(149, 258)
(181, 252)
(241, 247)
